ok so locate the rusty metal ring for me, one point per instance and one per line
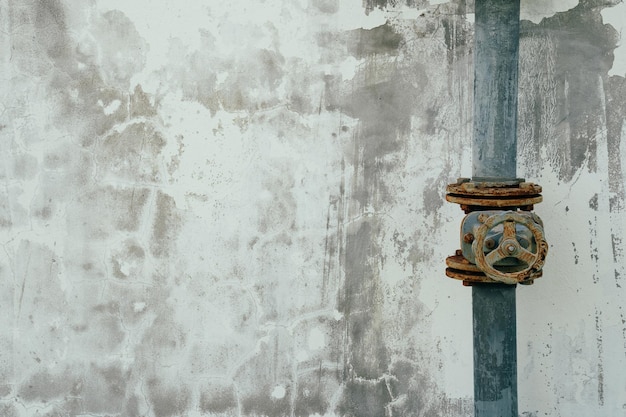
(509, 247)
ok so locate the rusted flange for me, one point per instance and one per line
(461, 269)
(473, 196)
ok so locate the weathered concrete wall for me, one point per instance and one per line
(236, 208)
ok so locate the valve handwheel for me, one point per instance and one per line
(509, 247)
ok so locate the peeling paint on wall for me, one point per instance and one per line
(236, 209)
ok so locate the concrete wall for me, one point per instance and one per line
(235, 208)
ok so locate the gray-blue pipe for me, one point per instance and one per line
(496, 51)
(494, 151)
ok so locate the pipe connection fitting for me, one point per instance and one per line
(501, 240)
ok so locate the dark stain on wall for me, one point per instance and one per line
(68, 172)
(261, 375)
(104, 389)
(385, 110)
(51, 29)
(8, 410)
(573, 93)
(7, 363)
(6, 214)
(277, 213)
(42, 47)
(127, 261)
(83, 78)
(593, 202)
(615, 117)
(261, 70)
(315, 392)
(85, 108)
(118, 209)
(383, 107)
(166, 225)
(458, 35)
(416, 392)
(39, 269)
(365, 399)
(131, 407)
(218, 399)
(326, 6)
(617, 243)
(105, 322)
(319, 376)
(382, 4)
(372, 4)
(260, 404)
(140, 104)
(378, 40)
(45, 386)
(132, 154)
(600, 364)
(195, 72)
(168, 400)
(24, 167)
(122, 50)
(361, 303)
(254, 74)
(162, 341)
(387, 96)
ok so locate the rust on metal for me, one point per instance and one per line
(492, 189)
(473, 196)
(461, 269)
(482, 194)
(509, 247)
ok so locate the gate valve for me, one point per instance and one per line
(502, 241)
(516, 258)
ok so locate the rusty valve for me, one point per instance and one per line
(502, 241)
(529, 260)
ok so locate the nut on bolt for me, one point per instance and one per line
(468, 238)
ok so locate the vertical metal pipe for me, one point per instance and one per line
(496, 50)
(494, 159)
(495, 351)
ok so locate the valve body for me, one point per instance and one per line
(502, 241)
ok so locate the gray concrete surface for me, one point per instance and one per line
(236, 208)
